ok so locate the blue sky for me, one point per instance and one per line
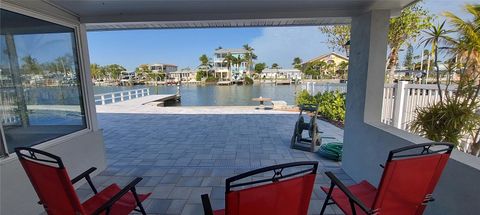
(184, 46)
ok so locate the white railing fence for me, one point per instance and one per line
(314, 88)
(114, 97)
(401, 100)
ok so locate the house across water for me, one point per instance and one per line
(233, 68)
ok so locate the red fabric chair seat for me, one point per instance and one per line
(365, 191)
(219, 212)
(122, 207)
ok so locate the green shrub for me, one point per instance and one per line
(331, 104)
(211, 79)
(200, 74)
(445, 121)
(303, 97)
(248, 81)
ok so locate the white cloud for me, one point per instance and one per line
(282, 44)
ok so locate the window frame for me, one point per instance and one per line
(82, 59)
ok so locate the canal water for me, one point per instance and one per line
(232, 95)
(213, 95)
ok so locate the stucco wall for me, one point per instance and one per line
(78, 154)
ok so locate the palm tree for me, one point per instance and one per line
(115, 71)
(274, 66)
(229, 59)
(297, 63)
(204, 62)
(95, 71)
(467, 47)
(249, 56)
(437, 35)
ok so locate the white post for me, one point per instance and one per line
(399, 104)
(129, 94)
(148, 91)
(103, 99)
(113, 97)
(121, 96)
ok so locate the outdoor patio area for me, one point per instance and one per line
(181, 156)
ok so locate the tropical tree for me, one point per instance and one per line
(408, 63)
(65, 63)
(259, 67)
(203, 60)
(408, 26)
(337, 36)
(275, 66)
(435, 36)
(229, 59)
(142, 71)
(249, 56)
(458, 115)
(297, 63)
(115, 71)
(31, 66)
(96, 71)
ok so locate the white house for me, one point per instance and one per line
(163, 68)
(183, 75)
(220, 65)
(293, 74)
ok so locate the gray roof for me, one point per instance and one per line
(233, 51)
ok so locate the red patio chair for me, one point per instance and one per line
(284, 193)
(57, 195)
(409, 178)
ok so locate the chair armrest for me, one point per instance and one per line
(108, 204)
(353, 199)
(207, 207)
(86, 175)
(83, 175)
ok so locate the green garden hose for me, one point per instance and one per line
(331, 151)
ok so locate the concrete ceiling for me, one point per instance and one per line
(131, 14)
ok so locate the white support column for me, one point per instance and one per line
(399, 104)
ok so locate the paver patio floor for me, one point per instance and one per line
(181, 156)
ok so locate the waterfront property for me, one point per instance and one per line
(287, 74)
(330, 58)
(163, 148)
(186, 75)
(163, 68)
(226, 69)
